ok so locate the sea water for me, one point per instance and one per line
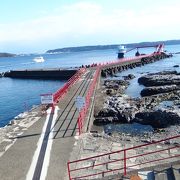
(135, 88)
(18, 95)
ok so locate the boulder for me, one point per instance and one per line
(158, 90)
(160, 79)
(102, 121)
(129, 77)
(157, 119)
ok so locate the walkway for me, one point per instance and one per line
(46, 146)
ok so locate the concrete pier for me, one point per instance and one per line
(63, 74)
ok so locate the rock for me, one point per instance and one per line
(102, 121)
(160, 79)
(176, 66)
(111, 83)
(107, 112)
(157, 119)
(129, 77)
(158, 90)
(124, 117)
(114, 86)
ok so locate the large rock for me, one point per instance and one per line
(160, 79)
(157, 119)
(111, 83)
(114, 86)
(129, 77)
(158, 90)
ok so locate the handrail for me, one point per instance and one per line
(123, 159)
(83, 112)
(63, 90)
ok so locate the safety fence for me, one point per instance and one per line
(62, 91)
(125, 160)
(115, 62)
(84, 110)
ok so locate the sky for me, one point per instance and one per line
(32, 26)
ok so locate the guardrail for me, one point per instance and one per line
(83, 112)
(63, 90)
(125, 160)
(124, 60)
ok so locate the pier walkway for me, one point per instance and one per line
(42, 150)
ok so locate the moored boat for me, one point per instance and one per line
(39, 59)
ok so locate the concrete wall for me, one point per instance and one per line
(41, 74)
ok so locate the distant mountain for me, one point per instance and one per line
(6, 55)
(113, 46)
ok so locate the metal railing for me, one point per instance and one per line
(125, 160)
(84, 110)
(63, 90)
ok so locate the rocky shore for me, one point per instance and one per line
(158, 107)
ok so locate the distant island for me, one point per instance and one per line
(7, 55)
(113, 46)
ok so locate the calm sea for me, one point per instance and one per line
(18, 95)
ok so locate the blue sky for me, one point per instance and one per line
(39, 25)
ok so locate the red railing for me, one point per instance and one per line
(114, 62)
(83, 112)
(62, 91)
(125, 160)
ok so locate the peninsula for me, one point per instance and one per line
(113, 46)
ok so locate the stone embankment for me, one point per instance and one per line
(113, 69)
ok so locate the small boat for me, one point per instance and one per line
(39, 59)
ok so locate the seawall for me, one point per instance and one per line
(63, 74)
(123, 64)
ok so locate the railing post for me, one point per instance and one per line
(124, 162)
(69, 170)
(79, 124)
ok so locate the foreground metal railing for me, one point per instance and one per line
(84, 110)
(125, 160)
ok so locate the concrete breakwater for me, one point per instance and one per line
(63, 74)
(110, 70)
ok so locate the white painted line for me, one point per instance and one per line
(49, 146)
(30, 173)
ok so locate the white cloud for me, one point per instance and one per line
(91, 21)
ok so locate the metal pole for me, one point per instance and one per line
(69, 170)
(124, 162)
(79, 126)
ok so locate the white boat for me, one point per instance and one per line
(39, 59)
(121, 51)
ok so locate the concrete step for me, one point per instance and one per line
(176, 171)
